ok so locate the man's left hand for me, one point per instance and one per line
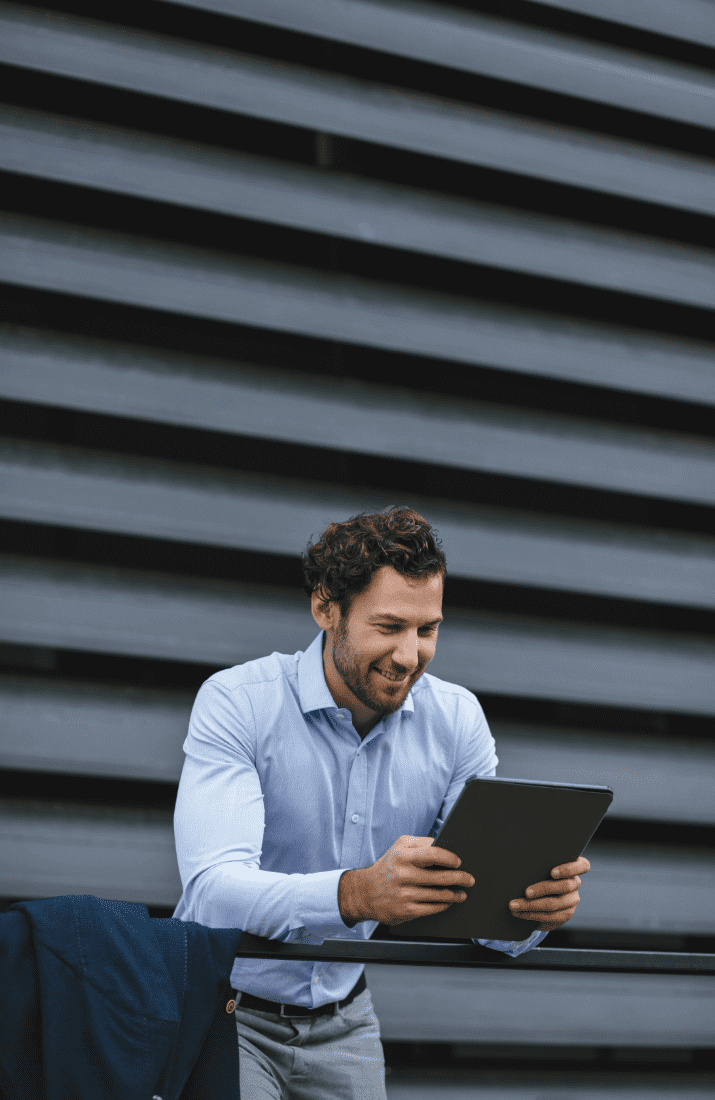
(553, 902)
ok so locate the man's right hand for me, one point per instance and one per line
(403, 884)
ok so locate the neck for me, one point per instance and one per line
(364, 717)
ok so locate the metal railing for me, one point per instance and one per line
(460, 954)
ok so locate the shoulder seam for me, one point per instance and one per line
(247, 683)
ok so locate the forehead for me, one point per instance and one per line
(392, 594)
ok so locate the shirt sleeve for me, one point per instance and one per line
(218, 828)
(478, 757)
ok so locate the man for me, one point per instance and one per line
(310, 786)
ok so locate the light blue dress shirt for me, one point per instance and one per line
(279, 796)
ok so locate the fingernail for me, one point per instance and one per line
(514, 904)
(555, 873)
(530, 893)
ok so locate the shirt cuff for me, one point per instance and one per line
(514, 947)
(317, 913)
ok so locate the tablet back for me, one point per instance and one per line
(509, 833)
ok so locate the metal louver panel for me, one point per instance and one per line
(691, 20)
(50, 848)
(269, 264)
(238, 185)
(488, 46)
(123, 611)
(108, 730)
(417, 1003)
(79, 488)
(385, 115)
(135, 271)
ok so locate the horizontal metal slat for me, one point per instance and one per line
(215, 622)
(138, 733)
(127, 162)
(281, 297)
(49, 849)
(455, 1082)
(384, 115)
(646, 888)
(53, 849)
(66, 486)
(653, 778)
(420, 1004)
(488, 46)
(74, 728)
(691, 20)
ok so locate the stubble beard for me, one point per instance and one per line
(344, 659)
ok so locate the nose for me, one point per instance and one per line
(406, 652)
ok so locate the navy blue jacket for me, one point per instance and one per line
(98, 1001)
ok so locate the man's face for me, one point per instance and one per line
(383, 645)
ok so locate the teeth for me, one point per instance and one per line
(390, 676)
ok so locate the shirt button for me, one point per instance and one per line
(355, 818)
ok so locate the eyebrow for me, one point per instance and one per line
(397, 619)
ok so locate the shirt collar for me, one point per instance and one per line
(313, 691)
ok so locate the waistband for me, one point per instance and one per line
(248, 1000)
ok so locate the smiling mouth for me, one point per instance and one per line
(394, 678)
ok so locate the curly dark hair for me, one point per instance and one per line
(346, 556)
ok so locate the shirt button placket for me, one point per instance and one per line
(357, 792)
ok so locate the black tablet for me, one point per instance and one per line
(509, 834)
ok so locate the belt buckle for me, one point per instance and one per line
(288, 1015)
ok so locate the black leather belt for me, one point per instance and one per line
(249, 1001)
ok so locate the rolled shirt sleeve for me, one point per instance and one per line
(218, 827)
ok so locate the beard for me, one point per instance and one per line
(347, 664)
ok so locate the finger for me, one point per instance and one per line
(541, 889)
(414, 841)
(567, 870)
(430, 857)
(550, 920)
(543, 906)
(550, 925)
(457, 880)
(440, 897)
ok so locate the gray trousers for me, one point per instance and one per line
(335, 1056)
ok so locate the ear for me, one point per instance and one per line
(325, 612)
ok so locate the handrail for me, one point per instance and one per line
(462, 954)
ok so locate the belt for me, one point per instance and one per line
(249, 1001)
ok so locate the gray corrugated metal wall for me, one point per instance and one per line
(267, 264)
